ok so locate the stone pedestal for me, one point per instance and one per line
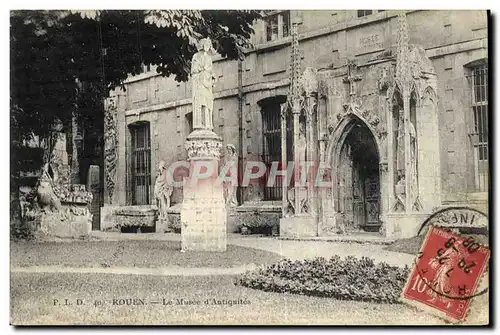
(203, 212)
(72, 219)
(69, 222)
(404, 225)
(298, 226)
(162, 225)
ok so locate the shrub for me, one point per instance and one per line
(20, 231)
(174, 222)
(259, 223)
(346, 279)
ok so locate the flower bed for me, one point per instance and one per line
(346, 279)
(259, 223)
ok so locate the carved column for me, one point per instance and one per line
(110, 147)
(310, 90)
(390, 155)
(296, 155)
(284, 163)
(408, 177)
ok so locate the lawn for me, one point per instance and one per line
(131, 253)
(32, 303)
(412, 245)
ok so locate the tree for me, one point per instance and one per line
(65, 62)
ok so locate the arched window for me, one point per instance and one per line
(141, 163)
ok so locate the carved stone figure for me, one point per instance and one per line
(302, 144)
(46, 197)
(400, 145)
(385, 79)
(203, 78)
(231, 165)
(309, 82)
(59, 160)
(163, 190)
(413, 162)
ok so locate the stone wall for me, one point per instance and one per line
(328, 39)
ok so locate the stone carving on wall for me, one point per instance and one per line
(110, 145)
(309, 81)
(351, 78)
(382, 55)
(369, 116)
(203, 78)
(73, 193)
(205, 149)
(163, 190)
(232, 165)
(386, 77)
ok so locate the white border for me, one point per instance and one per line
(189, 4)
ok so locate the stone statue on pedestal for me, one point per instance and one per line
(163, 191)
(203, 211)
(203, 78)
(231, 165)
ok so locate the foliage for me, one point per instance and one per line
(54, 52)
(345, 279)
(258, 222)
(21, 231)
(174, 222)
(65, 62)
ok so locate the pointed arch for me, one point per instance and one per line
(339, 134)
(430, 92)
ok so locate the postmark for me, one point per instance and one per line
(460, 219)
(446, 274)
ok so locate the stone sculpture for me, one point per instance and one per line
(203, 78)
(230, 187)
(46, 197)
(163, 190)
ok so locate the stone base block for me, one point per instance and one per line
(203, 227)
(232, 221)
(162, 226)
(109, 220)
(64, 224)
(328, 227)
(404, 225)
(113, 218)
(298, 226)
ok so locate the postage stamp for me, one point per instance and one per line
(446, 274)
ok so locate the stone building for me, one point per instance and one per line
(400, 118)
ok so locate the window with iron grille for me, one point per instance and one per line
(364, 12)
(271, 122)
(141, 164)
(479, 127)
(277, 25)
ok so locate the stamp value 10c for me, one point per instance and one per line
(446, 274)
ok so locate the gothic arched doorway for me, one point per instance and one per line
(358, 179)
